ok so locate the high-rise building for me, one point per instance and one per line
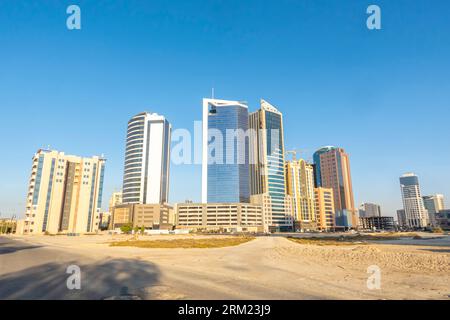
(367, 210)
(147, 160)
(324, 207)
(64, 194)
(225, 157)
(300, 186)
(333, 171)
(415, 212)
(433, 204)
(267, 176)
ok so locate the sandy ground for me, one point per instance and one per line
(33, 267)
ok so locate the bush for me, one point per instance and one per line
(437, 230)
(126, 228)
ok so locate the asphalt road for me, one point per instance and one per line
(40, 272)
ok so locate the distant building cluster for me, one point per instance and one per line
(257, 191)
(420, 211)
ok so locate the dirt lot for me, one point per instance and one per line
(264, 268)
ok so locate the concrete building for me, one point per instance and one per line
(443, 219)
(332, 168)
(433, 204)
(324, 207)
(401, 218)
(300, 186)
(225, 161)
(367, 210)
(64, 193)
(9, 225)
(267, 176)
(147, 160)
(376, 223)
(115, 200)
(151, 216)
(415, 212)
(219, 216)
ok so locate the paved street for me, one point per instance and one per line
(34, 267)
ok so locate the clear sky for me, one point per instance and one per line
(384, 96)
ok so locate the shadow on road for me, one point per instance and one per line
(115, 278)
(14, 248)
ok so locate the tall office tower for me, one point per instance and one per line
(225, 171)
(367, 210)
(64, 194)
(300, 186)
(433, 204)
(415, 212)
(267, 176)
(324, 207)
(333, 171)
(147, 160)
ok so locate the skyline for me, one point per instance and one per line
(66, 86)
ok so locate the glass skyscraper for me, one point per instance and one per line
(225, 164)
(267, 176)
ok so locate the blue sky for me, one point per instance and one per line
(384, 96)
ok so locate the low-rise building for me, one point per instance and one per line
(376, 223)
(443, 219)
(324, 206)
(151, 216)
(219, 217)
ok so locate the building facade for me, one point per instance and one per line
(415, 213)
(376, 223)
(401, 218)
(150, 216)
(333, 171)
(267, 167)
(443, 219)
(369, 210)
(115, 200)
(433, 204)
(324, 207)
(300, 186)
(225, 157)
(64, 193)
(147, 160)
(219, 216)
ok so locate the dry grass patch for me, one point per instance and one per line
(184, 243)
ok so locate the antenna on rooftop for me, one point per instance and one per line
(212, 93)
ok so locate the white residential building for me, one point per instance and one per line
(147, 160)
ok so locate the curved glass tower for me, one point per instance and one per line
(147, 156)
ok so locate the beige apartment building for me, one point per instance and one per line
(300, 186)
(333, 171)
(64, 193)
(151, 216)
(219, 216)
(324, 207)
